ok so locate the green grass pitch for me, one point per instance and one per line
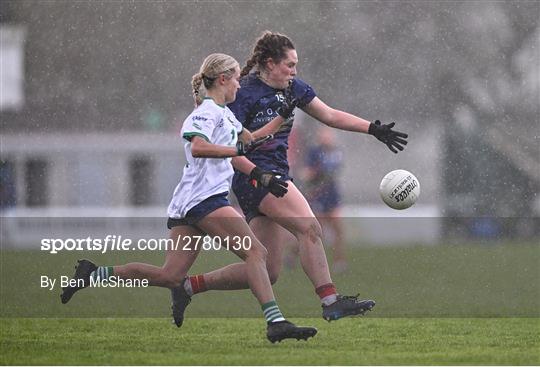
(440, 305)
(208, 341)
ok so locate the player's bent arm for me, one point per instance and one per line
(246, 136)
(259, 177)
(335, 118)
(243, 165)
(200, 148)
(269, 129)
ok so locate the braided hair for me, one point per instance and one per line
(269, 45)
(211, 68)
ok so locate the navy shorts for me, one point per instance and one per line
(250, 197)
(200, 210)
(324, 200)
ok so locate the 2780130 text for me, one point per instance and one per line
(234, 243)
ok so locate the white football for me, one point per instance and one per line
(399, 189)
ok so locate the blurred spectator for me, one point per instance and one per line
(323, 160)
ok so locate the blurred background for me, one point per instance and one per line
(93, 94)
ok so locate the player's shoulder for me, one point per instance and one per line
(246, 94)
(202, 120)
(231, 117)
(251, 85)
(299, 86)
(299, 83)
(303, 91)
(208, 110)
(228, 113)
(249, 81)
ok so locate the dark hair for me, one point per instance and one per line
(268, 46)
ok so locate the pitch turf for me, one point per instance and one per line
(435, 305)
(438, 281)
(241, 341)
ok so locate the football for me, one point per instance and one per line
(399, 189)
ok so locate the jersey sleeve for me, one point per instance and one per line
(303, 91)
(199, 123)
(234, 121)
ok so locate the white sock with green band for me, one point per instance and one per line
(271, 312)
(102, 273)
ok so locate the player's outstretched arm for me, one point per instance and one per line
(336, 118)
(394, 140)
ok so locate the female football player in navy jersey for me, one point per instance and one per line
(199, 205)
(268, 75)
(322, 164)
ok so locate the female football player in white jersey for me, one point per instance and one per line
(199, 205)
(270, 70)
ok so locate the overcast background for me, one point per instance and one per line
(91, 116)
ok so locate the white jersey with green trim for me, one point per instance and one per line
(204, 177)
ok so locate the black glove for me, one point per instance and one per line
(269, 180)
(243, 149)
(392, 138)
(289, 103)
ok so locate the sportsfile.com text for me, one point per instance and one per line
(120, 243)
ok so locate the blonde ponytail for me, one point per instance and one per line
(212, 66)
(197, 88)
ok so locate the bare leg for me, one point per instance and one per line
(226, 222)
(177, 263)
(293, 213)
(170, 275)
(234, 276)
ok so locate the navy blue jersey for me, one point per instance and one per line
(325, 162)
(322, 190)
(255, 106)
